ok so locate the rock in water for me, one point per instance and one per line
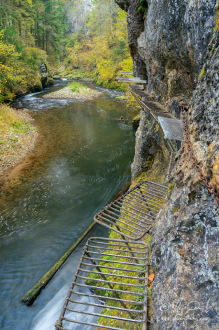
(43, 74)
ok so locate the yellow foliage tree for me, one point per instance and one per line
(103, 52)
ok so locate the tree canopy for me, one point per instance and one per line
(88, 36)
(31, 32)
(39, 23)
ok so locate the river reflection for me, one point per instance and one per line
(81, 161)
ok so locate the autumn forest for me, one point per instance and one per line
(72, 38)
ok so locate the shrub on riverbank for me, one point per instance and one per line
(19, 69)
(77, 87)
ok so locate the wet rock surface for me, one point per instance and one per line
(43, 74)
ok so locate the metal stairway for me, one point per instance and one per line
(109, 290)
(108, 279)
(133, 214)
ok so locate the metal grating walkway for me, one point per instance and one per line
(109, 290)
(172, 128)
(133, 214)
(147, 102)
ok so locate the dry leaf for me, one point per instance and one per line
(151, 277)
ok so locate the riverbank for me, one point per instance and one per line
(17, 138)
(74, 90)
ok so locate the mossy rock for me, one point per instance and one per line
(170, 189)
(136, 121)
(121, 98)
(176, 208)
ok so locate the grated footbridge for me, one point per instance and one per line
(109, 290)
(134, 213)
(108, 279)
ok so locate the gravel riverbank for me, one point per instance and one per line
(18, 134)
(66, 93)
(16, 141)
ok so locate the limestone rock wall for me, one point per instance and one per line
(151, 150)
(176, 34)
(185, 239)
(179, 45)
(168, 43)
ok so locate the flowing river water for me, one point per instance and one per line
(82, 160)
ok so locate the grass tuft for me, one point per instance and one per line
(77, 87)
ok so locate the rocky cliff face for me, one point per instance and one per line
(185, 246)
(178, 44)
(169, 40)
(77, 15)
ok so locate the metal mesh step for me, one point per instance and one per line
(133, 214)
(109, 290)
(172, 128)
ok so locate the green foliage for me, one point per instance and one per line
(170, 189)
(143, 6)
(10, 121)
(19, 70)
(36, 23)
(29, 31)
(77, 87)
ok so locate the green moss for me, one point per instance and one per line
(176, 208)
(170, 189)
(77, 87)
(121, 285)
(217, 19)
(157, 128)
(202, 73)
(147, 240)
(143, 6)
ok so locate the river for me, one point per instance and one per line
(82, 161)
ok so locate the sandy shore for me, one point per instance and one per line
(66, 93)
